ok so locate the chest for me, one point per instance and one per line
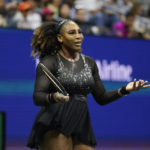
(76, 77)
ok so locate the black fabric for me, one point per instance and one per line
(72, 118)
(123, 91)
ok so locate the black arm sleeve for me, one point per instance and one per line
(43, 86)
(99, 93)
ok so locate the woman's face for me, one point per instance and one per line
(71, 36)
(65, 11)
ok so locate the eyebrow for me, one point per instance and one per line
(74, 30)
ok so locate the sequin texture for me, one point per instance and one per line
(75, 82)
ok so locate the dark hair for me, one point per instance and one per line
(44, 40)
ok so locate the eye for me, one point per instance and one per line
(75, 32)
(80, 31)
(71, 32)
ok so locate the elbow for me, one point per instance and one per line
(102, 103)
(102, 100)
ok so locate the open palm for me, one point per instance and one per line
(137, 85)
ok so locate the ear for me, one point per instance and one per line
(59, 38)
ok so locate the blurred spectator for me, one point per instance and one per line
(35, 7)
(47, 15)
(125, 28)
(3, 21)
(64, 11)
(26, 18)
(94, 10)
(11, 8)
(141, 23)
(54, 6)
(111, 11)
(148, 12)
(147, 33)
(84, 24)
(98, 17)
(102, 13)
(72, 7)
(125, 6)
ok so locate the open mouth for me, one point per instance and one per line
(78, 43)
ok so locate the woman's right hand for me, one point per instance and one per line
(60, 98)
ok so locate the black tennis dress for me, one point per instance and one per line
(72, 118)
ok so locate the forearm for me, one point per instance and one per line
(107, 97)
(43, 99)
(40, 98)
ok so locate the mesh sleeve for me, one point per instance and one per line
(43, 86)
(99, 92)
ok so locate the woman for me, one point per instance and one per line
(63, 122)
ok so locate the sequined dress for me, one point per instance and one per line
(79, 78)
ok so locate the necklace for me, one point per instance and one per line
(70, 59)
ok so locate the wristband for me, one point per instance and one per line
(123, 91)
(51, 98)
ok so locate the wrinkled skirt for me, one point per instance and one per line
(70, 119)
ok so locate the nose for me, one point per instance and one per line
(78, 35)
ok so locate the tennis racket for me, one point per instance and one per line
(53, 79)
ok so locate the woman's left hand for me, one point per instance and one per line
(137, 85)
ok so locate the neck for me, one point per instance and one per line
(69, 55)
